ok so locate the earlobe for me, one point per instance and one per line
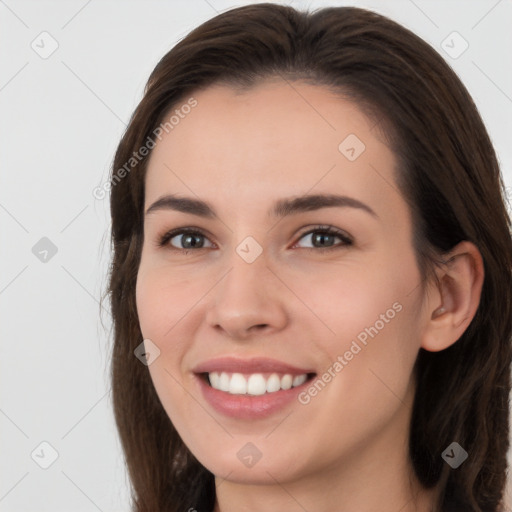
(456, 297)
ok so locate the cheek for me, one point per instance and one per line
(367, 378)
(149, 304)
(371, 319)
(349, 300)
(161, 302)
(169, 312)
(163, 296)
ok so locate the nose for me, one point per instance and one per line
(248, 300)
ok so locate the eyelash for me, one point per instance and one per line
(324, 229)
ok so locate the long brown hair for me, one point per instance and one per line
(448, 173)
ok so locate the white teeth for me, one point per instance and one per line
(224, 382)
(238, 384)
(255, 384)
(286, 381)
(215, 380)
(299, 379)
(273, 383)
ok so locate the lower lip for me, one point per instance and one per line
(248, 406)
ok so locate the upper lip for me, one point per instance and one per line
(252, 365)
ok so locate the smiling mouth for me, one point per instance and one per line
(254, 384)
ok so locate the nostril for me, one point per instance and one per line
(260, 326)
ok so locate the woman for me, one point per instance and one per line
(365, 370)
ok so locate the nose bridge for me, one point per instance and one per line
(248, 295)
(248, 273)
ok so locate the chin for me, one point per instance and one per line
(260, 474)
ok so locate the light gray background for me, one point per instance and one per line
(61, 119)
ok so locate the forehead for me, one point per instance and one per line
(275, 139)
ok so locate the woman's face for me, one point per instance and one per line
(261, 297)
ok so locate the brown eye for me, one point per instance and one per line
(324, 238)
(185, 239)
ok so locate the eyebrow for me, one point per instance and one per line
(281, 208)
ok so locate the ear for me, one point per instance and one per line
(453, 301)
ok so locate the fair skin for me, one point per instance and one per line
(345, 449)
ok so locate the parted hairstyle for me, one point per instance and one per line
(447, 172)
